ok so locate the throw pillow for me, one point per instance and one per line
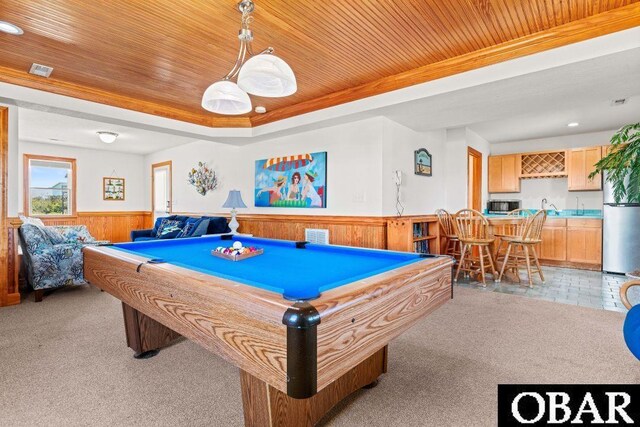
(33, 221)
(169, 229)
(201, 228)
(189, 227)
(53, 235)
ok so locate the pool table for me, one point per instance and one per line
(307, 324)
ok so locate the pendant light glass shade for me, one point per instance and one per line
(267, 75)
(225, 97)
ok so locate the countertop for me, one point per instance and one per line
(566, 213)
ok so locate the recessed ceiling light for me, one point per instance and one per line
(107, 137)
(573, 124)
(9, 28)
(261, 109)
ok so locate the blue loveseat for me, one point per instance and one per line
(182, 226)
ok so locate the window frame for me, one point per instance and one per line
(27, 185)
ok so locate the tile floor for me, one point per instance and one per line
(564, 285)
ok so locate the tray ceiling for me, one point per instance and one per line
(159, 56)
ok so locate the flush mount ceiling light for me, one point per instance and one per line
(573, 124)
(107, 137)
(263, 74)
(9, 28)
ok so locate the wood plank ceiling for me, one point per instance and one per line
(158, 56)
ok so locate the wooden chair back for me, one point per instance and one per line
(516, 229)
(472, 225)
(446, 222)
(533, 227)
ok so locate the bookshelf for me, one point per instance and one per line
(414, 234)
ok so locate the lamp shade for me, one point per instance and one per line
(225, 97)
(234, 200)
(267, 75)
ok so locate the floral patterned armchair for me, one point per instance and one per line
(53, 255)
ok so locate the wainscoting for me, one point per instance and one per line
(367, 232)
(363, 231)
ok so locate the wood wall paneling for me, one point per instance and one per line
(8, 291)
(116, 56)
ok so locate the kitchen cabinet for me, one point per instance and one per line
(504, 174)
(580, 163)
(554, 240)
(584, 241)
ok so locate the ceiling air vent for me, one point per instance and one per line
(620, 101)
(40, 70)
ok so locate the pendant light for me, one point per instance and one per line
(262, 75)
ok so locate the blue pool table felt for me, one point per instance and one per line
(296, 273)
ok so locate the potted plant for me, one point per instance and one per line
(622, 164)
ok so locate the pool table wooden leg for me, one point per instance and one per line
(266, 406)
(145, 336)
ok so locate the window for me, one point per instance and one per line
(50, 186)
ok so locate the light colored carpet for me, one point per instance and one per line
(64, 362)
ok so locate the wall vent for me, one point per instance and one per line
(619, 101)
(40, 70)
(316, 235)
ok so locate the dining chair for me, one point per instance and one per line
(514, 228)
(523, 247)
(448, 226)
(473, 232)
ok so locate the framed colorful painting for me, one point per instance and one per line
(113, 188)
(297, 181)
(422, 161)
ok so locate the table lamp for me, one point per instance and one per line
(234, 200)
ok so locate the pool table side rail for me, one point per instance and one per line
(240, 323)
(360, 319)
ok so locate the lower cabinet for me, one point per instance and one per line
(584, 241)
(554, 243)
(572, 242)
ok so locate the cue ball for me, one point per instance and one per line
(237, 245)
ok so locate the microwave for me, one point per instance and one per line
(502, 206)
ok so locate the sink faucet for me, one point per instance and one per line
(544, 202)
(578, 207)
(556, 212)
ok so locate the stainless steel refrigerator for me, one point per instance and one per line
(621, 234)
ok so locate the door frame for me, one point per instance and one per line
(153, 186)
(474, 195)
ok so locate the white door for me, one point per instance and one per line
(161, 183)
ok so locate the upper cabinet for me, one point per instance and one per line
(580, 163)
(504, 174)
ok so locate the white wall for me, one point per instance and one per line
(92, 166)
(222, 158)
(361, 157)
(555, 190)
(456, 160)
(354, 164)
(13, 176)
(418, 194)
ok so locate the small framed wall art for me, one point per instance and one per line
(113, 188)
(422, 162)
